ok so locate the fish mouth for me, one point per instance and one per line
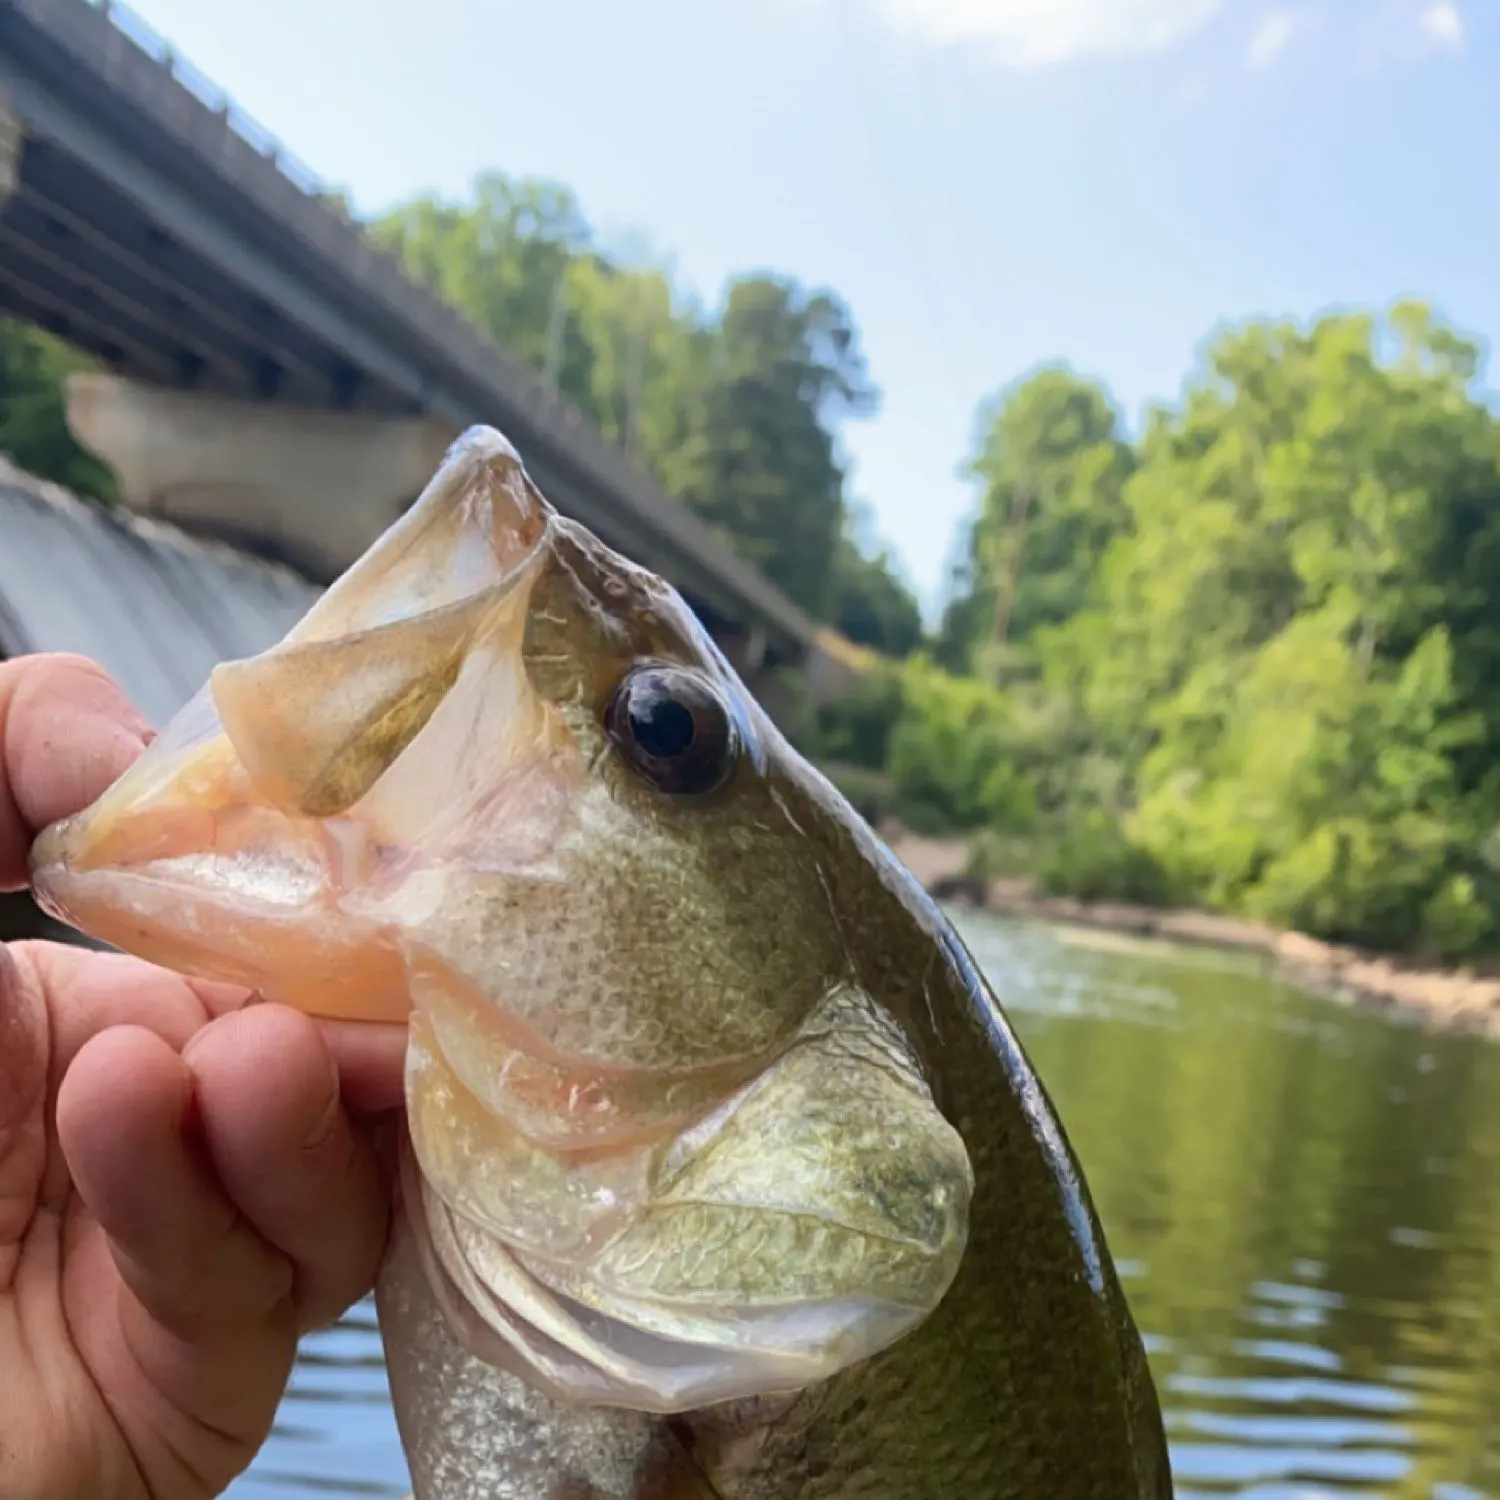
(257, 815)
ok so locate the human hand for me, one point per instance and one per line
(188, 1180)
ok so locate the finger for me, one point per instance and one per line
(54, 999)
(66, 732)
(287, 1155)
(371, 1060)
(125, 1120)
(88, 991)
(184, 1314)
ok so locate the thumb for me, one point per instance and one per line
(66, 732)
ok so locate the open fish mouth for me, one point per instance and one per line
(264, 819)
(663, 1150)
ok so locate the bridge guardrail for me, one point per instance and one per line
(246, 126)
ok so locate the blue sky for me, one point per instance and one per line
(989, 183)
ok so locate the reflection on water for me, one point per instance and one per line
(1304, 1203)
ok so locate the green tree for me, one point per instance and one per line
(950, 762)
(785, 368)
(871, 602)
(500, 257)
(33, 414)
(1291, 647)
(1052, 466)
(639, 367)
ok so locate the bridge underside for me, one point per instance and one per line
(81, 258)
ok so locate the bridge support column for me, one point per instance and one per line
(314, 488)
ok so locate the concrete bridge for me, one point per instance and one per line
(276, 379)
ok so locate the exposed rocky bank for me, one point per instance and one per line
(1455, 998)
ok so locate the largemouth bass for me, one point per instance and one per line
(725, 1174)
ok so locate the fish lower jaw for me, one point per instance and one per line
(280, 942)
(507, 1316)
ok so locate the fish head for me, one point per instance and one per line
(666, 1149)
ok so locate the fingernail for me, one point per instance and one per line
(127, 726)
(121, 745)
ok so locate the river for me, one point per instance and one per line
(1304, 1202)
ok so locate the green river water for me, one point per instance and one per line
(1304, 1202)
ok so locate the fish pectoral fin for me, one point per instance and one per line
(315, 725)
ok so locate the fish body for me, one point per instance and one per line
(725, 1174)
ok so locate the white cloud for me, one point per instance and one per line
(1039, 33)
(1443, 24)
(1272, 35)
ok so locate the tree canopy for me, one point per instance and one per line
(1274, 620)
(1052, 466)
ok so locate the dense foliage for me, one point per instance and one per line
(1252, 658)
(33, 423)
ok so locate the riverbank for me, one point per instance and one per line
(1456, 998)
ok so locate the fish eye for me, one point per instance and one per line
(673, 730)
